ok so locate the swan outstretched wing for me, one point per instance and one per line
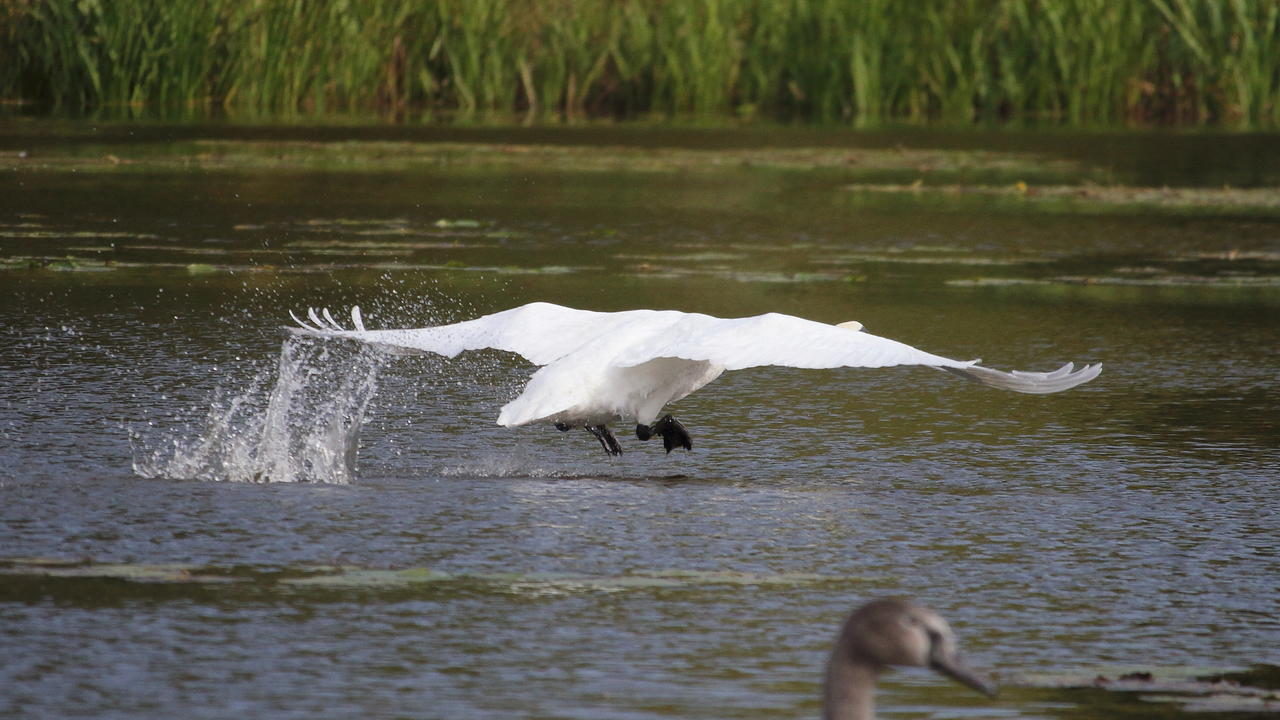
(776, 339)
(543, 333)
(1026, 381)
(540, 332)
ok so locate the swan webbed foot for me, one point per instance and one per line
(606, 438)
(673, 433)
(563, 427)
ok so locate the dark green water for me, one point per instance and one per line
(1132, 522)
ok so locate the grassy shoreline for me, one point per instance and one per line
(1178, 62)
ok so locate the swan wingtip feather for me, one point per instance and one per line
(328, 318)
(298, 320)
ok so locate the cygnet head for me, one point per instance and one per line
(851, 325)
(885, 633)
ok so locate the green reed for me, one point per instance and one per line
(859, 61)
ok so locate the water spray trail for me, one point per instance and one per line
(304, 428)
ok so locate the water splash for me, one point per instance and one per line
(304, 427)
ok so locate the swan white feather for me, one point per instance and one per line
(599, 367)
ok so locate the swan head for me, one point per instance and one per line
(853, 325)
(896, 632)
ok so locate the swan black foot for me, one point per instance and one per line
(673, 433)
(606, 438)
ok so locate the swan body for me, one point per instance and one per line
(603, 367)
(885, 633)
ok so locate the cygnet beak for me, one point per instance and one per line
(956, 669)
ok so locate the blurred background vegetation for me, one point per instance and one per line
(864, 62)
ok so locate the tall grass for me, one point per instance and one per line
(859, 61)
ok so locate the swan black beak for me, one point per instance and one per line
(954, 668)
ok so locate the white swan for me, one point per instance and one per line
(881, 634)
(603, 367)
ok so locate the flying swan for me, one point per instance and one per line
(603, 367)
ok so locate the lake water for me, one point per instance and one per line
(436, 565)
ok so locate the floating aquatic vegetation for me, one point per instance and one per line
(67, 263)
(1155, 280)
(92, 248)
(328, 577)
(447, 233)
(782, 277)
(185, 249)
(906, 258)
(91, 265)
(542, 270)
(1096, 197)
(366, 245)
(137, 573)
(352, 577)
(377, 156)
(1215, 281)
(694, 257)
(1196, 689)
(1122, 290)
(996, 282)
(72, 235)
(1232, 255)
(347, 223)
(647, 270)
(291, 250)
(650, 272)
(18, 262)
(673, 159)
(460, 266)
(359, 252)
(396, 227)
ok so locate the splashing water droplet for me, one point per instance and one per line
(303, 428)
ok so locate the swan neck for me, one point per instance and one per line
(849, 692)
